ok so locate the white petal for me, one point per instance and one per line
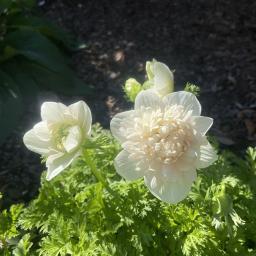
(120, 122)
(186, 99)
(146, 99)
(167, 190)
(73, 139)
(53, 112)
(81, 112)
(149, 69)
(129, 168)
(42, 131)
(35, 143)
(206, 155)
(163, 78)
(58, 162)
(170, 173)
(202, 124)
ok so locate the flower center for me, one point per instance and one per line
(162, 135)
(64, 134)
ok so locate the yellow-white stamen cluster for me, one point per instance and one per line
(61, 131)
(161, 135)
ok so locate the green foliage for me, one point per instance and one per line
(23, 247)
(30, 60)
(75, 214)
(192, 88)
(9, 227)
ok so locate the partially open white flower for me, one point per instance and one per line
(164, 141)
(59, 135)
(160, 78)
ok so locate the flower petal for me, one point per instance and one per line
(206, 155)
(129, 168)
(167, 190)
(163, 78)
(202, 124)
(120, 122)
(53, 112)
(81, 112)
(36, 144)
(186, 99)
(146, 99)
(73, 139)
(186, 164)
(41, 130)
(58, 162)
(170, 173)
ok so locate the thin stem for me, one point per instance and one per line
(96, 173)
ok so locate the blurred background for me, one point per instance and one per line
(66, 50)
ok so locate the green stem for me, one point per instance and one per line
(96, 173)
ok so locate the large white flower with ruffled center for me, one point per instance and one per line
(164, 141)
(58, 137)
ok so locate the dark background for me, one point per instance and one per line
(209, 43)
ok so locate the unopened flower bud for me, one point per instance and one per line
(160, 78)
(132, 88)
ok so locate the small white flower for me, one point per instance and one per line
(164, 141)
(59, 135)
(160, 77)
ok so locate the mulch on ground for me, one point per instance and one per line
(209, 43)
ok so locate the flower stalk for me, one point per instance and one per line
(95, 172)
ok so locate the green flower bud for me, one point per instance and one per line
(132, 88)
(192, 88)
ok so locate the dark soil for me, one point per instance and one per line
(209, 43)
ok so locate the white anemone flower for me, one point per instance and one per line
(160, 78)
(58, 137)
(163, 140)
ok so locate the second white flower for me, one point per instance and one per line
(58, 137)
